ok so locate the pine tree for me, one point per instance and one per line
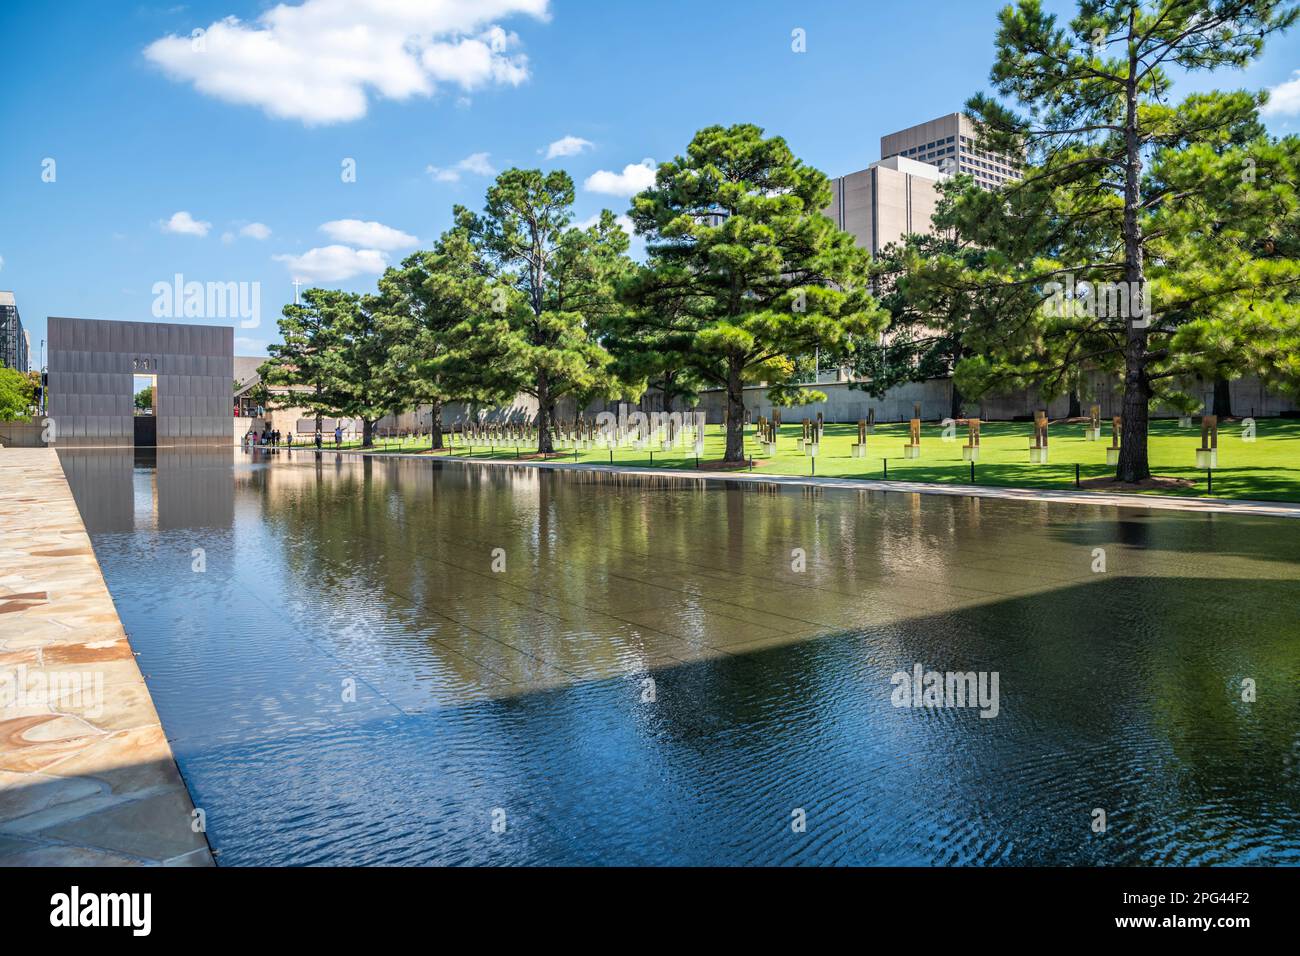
(1140, 208)
(745, 271)
(553, 286)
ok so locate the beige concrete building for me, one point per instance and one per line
(898, 194)
(886, 201)
(948, 143)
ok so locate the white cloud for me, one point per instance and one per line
(568, 146)
(476, 164)
(334, 263)
(368, 235)
(251, 230)
(634, 178)
(183, 224)
(477, 62)
(1284, 99)
(320, 61)
(2, 262)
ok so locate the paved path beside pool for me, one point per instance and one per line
(1270, 509)
(87, 777)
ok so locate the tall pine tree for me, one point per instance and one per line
(1141, 208)
(745, 271)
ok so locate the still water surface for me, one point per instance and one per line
(380, 658)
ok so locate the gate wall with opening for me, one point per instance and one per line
(92, 365)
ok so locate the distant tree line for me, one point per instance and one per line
(743, 271)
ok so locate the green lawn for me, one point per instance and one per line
(1267, 468)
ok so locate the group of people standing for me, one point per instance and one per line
(270, 437)
(266, 438)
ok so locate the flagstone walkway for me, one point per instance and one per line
(87, 777)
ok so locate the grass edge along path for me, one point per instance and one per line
(1265, 469)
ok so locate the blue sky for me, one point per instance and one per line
(223, 164)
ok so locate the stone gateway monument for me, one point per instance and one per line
(93, 368)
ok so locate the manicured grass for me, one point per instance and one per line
(1267, 468)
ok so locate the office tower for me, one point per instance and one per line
(948, 143)
(885, 202)
(13, 339)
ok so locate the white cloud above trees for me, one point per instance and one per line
(335, 263)
(360, 248)
(321, 61)
(368, 235)
(634, 178)
(1284, 99)
(568, 146)
(475, 164)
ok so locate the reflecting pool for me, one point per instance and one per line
(366, 661)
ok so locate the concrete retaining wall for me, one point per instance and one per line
(28, 434)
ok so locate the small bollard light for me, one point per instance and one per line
(886, 463)
(1077, 476)
(972, 472)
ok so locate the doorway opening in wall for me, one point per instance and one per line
(144, 390)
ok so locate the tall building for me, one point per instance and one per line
(886, 201)
(13, 339)
(948, 143)
(897, 195)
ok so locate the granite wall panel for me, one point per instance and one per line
(92, 365)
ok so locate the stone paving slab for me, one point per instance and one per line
(87, 777)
